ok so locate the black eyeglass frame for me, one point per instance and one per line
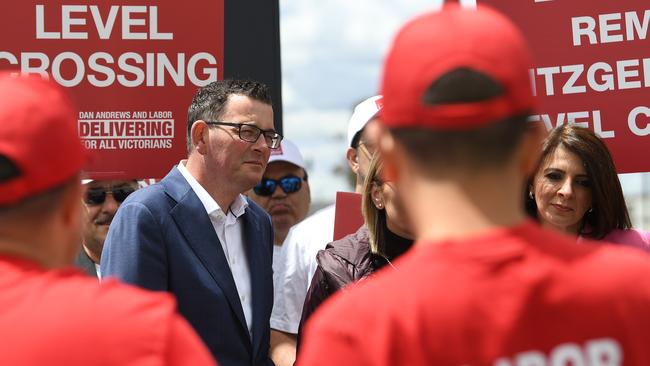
(271, 137)
(119, 194)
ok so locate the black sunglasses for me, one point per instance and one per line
(97, 196)
(289, 184)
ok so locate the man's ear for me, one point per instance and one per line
(352, 155)
(531, 147)
(199, 136)
(389, 150)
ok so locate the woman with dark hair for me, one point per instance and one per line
(382, 238)
(576, 190)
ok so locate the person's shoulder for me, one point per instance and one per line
(630, 237)
(113, 300)
(353, 248)
(316, 220)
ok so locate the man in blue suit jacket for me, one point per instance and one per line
(195, 235)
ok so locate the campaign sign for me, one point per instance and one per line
(592, 68)
(348, 217)
(131, 68)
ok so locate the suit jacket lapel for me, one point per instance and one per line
(191, 218)
(254, 251)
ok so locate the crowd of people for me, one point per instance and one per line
(486, 240)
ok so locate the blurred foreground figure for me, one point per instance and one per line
(483, 285)
(50, 315)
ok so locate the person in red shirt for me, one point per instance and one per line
(483, 285)
(51, 314)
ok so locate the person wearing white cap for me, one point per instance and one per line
(296, 263)
(284, 190)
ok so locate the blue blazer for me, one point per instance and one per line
(162, 239)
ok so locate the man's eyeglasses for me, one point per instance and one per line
(97, 196)
(250, 133)
(289, 184)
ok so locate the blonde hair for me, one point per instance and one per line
(374, 218)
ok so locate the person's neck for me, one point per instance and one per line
(31, 251)
(464, 206)
(217, 186)
(568, 230)
(280, 236)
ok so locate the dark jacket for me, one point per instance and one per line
(341, 263)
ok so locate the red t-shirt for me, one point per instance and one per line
(510, 297)
(64, 318)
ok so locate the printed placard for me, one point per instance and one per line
(131, 68)
(592, 68)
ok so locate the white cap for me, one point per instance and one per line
(363, 112)
(288, 152)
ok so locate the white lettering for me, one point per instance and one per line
(606, 28)
(569, 87)
(632, 24)
(107, 71)
(67, 20)
(632, 121)
(623, 74)
(572, 118)
(128, 22)
(532, 358)
(79, 68)
(40, 25)
(153, 26)
(177, 75)
(548, 73)
(139, 74)
(589, 24)
(211, 72)
(604, 352)
(608, 79)
(567, 354)
(26, 63)
(104, 29)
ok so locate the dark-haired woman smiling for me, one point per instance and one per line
(576, 190)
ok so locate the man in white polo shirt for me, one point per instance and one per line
(297, 262)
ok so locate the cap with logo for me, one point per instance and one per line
(288, 152)
(363, 113)
(38, 137)
(437, 43)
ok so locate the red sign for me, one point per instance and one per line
(592, 68)
(348, 218)
(132, 69)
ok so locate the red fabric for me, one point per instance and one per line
(64, 318)
(504, 298)
(436, 43)
(38, 133)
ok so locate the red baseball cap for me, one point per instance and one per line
(436, 43)
(38, 134)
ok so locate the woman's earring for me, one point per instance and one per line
(531, 195)
(590, 210)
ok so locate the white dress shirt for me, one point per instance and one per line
(228, 227)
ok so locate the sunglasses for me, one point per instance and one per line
(97, 196)
(289, 184)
